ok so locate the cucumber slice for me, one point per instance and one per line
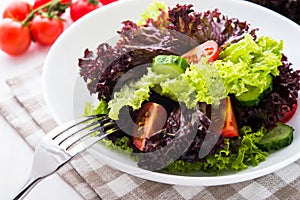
(253, 96)
(169, 64)
(279, 137)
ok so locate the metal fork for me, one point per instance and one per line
(63, 143)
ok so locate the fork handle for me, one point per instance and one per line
(27, 188)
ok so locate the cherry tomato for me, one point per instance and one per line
(65, 1)
(81, 7)
(38, 3)
(17, 10)
(15, 39)
(44, 30)
(287, 115)
(209, 48)
(230, 128)
(150, 119)
(105, 2)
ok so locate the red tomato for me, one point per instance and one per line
(15, 39)
(289, 114)
(65, 1)
(230, 128)
(105, 2)
(17, 10)
(44, 30)
(38, 3)
(150, 119)
(81, 7)
(209, 48)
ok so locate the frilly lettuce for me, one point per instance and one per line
(134, 93)
(200, 83)
(248, 63)
(247, 154)
(208, 84)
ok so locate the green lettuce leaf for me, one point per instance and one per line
(209, 86)
(247, 63)
(121, 144)
(101, 108)
(152, 12)
(134, 93)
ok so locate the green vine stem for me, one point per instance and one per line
(34, 11)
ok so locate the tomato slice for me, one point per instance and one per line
(230, 128)
(150, 119)
(289, 114)
(209, 48)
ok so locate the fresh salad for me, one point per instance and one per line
(193, 91)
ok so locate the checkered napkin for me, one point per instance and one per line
(28, 115)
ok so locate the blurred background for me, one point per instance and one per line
(288, 8)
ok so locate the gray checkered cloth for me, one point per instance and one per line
(27, 113)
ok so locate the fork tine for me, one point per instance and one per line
(105, 120)
(87, 133)
(58, 131)
(77, 131)
(101, 124)
(89, 141)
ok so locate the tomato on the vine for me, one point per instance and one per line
(38, 3)
(15, 38)
(65, 1)
(80, 8)
(45, 30)
(105, 2)
(17, 10)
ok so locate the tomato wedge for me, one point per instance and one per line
(209, 48)
(230, 128)
(289, 114)
(150, 119)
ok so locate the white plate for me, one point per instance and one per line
(66, 93)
